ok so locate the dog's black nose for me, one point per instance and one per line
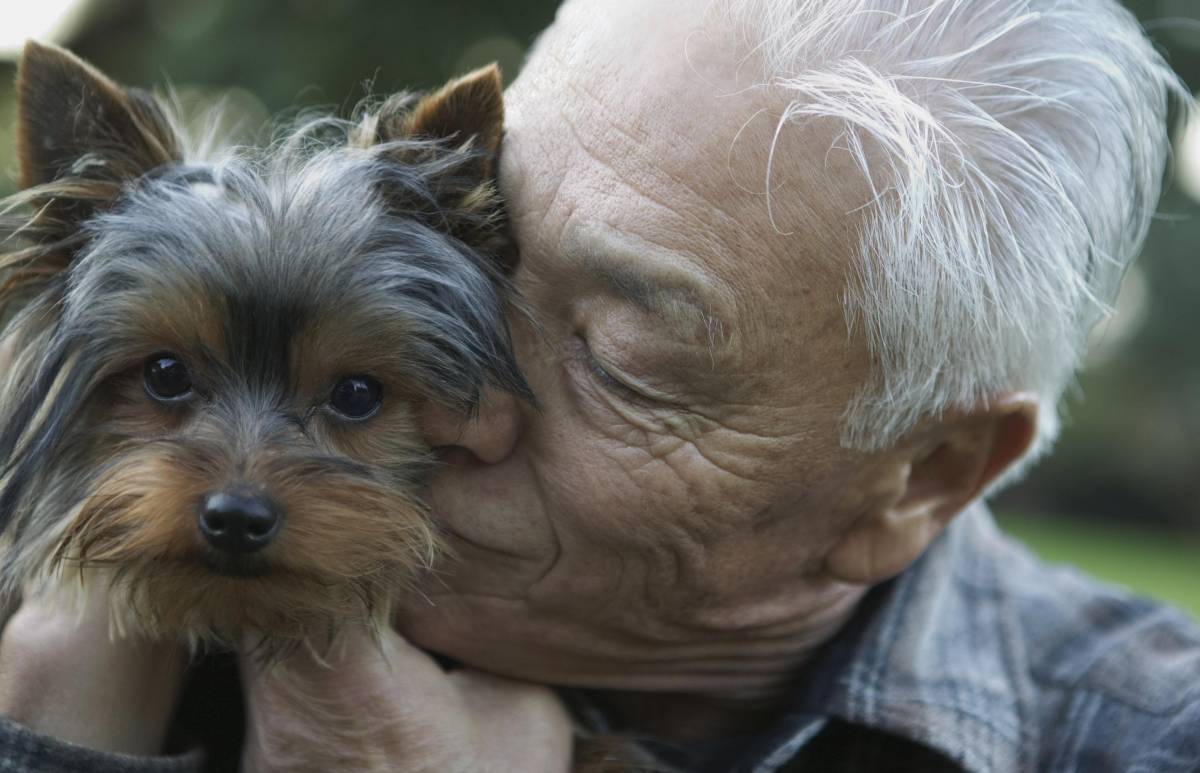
(237, 521)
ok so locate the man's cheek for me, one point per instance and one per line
(488, 515)
(602, 500)
(640, 500)
(720, 477)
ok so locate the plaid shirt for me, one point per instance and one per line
(978, 658)
(981, 658)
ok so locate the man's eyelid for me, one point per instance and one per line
(604, 370)
(677, 312)
(654, 280)
(619, 379)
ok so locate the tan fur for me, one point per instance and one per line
(470, 108)
(124, 131)
(348, 547)
(355, 532)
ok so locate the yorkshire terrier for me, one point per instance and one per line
(210, 368)
(214, 366)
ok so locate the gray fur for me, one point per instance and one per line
(276, 238)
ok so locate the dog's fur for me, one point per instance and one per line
(372, 246)
(375, 246)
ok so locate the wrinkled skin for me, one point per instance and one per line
(677, 516)
(676, 520)
(615, 527)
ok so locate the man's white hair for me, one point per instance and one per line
(1015, 149)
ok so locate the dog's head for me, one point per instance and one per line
(214, 367)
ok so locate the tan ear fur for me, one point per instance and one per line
(930, 482)
(465, 114)
(467, 109)
(74, 121)
(465, 120)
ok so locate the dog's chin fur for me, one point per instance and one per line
(349, 546)
(212, 603)
(271, 614)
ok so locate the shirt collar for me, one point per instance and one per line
(934, 656)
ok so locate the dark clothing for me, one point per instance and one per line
(23, 750)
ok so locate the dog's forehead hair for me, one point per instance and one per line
(243, 263)
(301, 234)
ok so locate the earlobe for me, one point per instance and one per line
(930, 482)
(884, 538)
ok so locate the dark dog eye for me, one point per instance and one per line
(356, 397)
(167, 378)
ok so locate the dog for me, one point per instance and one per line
(215, 365)
(211, 367)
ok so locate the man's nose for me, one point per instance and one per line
(489, 435)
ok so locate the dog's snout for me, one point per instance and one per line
(238, 522)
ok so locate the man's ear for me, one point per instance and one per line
(929, 482)
(73, 122)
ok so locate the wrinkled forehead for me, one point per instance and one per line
(665, 104)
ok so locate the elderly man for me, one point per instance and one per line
(810, 279)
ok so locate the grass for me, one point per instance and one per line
(1154, 563)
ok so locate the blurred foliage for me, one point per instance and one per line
(308, 51)
(1150, 563)
(272, 55)
(1131, 447)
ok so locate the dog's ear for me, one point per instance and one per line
(77, 127)
(467, 111)
(455, 132)
(466, 115)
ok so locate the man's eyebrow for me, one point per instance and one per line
(677, 297)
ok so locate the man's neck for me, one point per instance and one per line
(688, 717)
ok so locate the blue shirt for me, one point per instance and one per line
(982, 658)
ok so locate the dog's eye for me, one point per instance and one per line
(356, 397)
(166, 378)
